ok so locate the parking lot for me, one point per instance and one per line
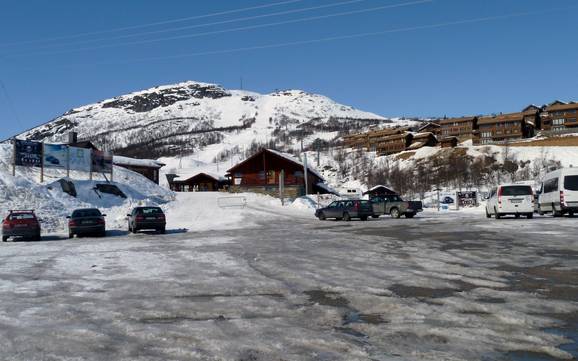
(454, 286)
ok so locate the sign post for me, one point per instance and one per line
(14, 157)
(305, 172)
(282, 186)
(67, 162)
(42, 164)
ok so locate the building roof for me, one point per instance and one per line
(395, 137)
(448, 139)
(380, 189)
(511, 117)
(279, 154)
(557, 107)
(457, 120)
(423, 135)
(428, 124)
(215, 177)
(133, 162)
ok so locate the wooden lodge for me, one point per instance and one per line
(146, 167)
(458, 127)
(380, 191)
(371, 140)
(200, 182)
(261, 173)
(394, 144)
(430, 127)
(421, 140)
(449, 142)
(504, 128)
(560, 117)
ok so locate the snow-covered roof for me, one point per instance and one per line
(119, 160)
(327, 188)
(380, 186)
(295, 160)
(416, 145)
(184, 177)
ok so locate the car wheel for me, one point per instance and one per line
(530, 215)
(497, 214)
(70, 235)
(37, 238)
(409, 215)
(346, 217)
(102, 234)
(394, 212)
(375, 216)
(4, 239)
(162, 231)
(517, 216)
(488, 215)
(364, 218)
(322, 216)
(571, 214)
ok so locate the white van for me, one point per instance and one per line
(559, 192)
(511, 199)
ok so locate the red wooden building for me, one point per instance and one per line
(261, 172)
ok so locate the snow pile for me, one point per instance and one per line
(52, 205)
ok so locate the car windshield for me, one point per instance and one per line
(571, 182)
(150, 211)
(517, 191)
(80, 213)
(364, 203)
(19, 216)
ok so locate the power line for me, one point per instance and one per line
(188, 36)
(172, 21)
(340, 37)
(188, 27)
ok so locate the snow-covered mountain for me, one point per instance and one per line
(187, 117)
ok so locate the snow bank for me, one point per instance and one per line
(52, 205)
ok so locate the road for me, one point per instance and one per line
(449, 287)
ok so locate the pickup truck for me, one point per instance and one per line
(394, 206)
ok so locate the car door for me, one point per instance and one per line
(331, 210)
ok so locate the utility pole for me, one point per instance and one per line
(305, 172)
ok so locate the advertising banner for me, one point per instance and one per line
(80, 159)
(101, 161)
(27, 153)
(55, 156)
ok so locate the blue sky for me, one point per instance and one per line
(427, 58)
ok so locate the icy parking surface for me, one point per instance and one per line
(276, 284)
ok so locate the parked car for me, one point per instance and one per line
(395, 206)
(87, 221)
(346, 210)
(511, 199)
(447, 200)
(147, 218)
(22, 224)
(559, 193)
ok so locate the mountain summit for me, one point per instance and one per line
(186, 117)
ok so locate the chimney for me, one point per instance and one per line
(72, 138)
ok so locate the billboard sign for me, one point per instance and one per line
(80, 159)
(27, 153)
(101, 161)
(55, 156)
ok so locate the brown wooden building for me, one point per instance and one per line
(421, 140)
(505, 127)
(560, 117)
(200, 182)
(394, 144)
(430, 127)
(261, 172)
(145, 167)
(458, 127)
(371, 140)
(449, 142)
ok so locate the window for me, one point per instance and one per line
(21, 216)
(516, 191)
(559, 121)
(571, 120)
(571, 182)
(551, 185)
